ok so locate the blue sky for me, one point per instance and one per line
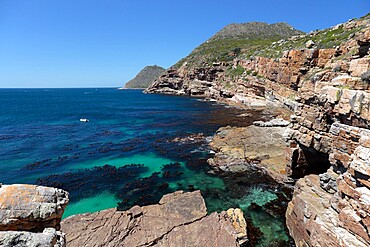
(104, 43)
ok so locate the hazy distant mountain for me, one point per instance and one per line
(145, 77)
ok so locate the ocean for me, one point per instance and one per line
(135, 148)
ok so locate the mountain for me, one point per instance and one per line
(235, 39)
(145, 77)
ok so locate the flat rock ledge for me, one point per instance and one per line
(30, 215)
(241, 149)
(180, 219)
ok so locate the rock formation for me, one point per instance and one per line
(325, 82)
(180, 219)
(30, 215)
(240, 149)
(145, 77)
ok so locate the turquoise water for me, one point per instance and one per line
(126, 154)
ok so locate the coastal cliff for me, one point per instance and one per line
(323, 78)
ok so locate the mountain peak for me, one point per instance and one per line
(145, 77)
(251, 30)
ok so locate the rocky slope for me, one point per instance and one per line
(324, 78)
(145, 77)
(207, 70)
(180, 219)
(30, 215)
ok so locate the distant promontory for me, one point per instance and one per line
(145, 77)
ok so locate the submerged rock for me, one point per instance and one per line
(180, 219)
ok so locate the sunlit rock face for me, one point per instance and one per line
(30, 215)
(180, 219)
(332, 118)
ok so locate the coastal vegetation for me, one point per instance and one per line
(237, 39)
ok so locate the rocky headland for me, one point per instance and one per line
(323, 77)
(145, 77)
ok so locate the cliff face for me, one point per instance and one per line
(331, 121)
(326, 85)
(145, 77)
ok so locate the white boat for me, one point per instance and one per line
(85, 120)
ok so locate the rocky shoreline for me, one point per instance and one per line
(180, 219)
(31, 216)
(327, 90)
(324, 149)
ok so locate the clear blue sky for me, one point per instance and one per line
(97, 43)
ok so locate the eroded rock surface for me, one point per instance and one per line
(312, 221)
(240, 149)
(49, 237)
(31, 207)
(30, 215)
(180, 219)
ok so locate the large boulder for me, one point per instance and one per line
(31, 207)
(240, 149)
(180, 219)
(49, 237)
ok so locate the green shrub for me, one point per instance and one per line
(237, 71)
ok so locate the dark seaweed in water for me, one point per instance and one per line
(89, 182)
(144, 191)
(122, 125)
(127, 185)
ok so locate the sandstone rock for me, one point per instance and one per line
(48, 238)
(237, 217)
(276, 122)
(213, 230)
(240, 149)
(180, 219)
(311, 222)
(328, 181)
(31, 207)
(359, 66)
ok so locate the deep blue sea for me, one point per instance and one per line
(135, 148)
